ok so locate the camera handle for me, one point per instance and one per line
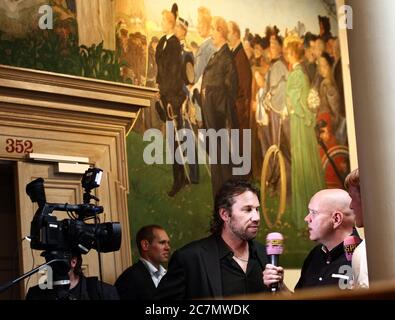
(28, 274)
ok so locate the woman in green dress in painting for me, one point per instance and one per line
(306, 170)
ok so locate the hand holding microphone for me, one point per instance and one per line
(273, 274)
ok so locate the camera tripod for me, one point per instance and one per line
(59, 262)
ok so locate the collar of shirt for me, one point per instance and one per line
(154, 272)
(233, 49)
(205, 40)
(334, 253)
(224, 250)
(295, 65)
(168, 36)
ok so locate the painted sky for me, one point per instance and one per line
(254, 14)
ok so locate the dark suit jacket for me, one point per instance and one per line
(219, 91)
(169, 61)
(194, 271)
(243, 99)
(135, 283)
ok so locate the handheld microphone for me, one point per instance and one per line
(274, 247)
(349, 244)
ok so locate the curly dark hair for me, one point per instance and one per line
(225, 199)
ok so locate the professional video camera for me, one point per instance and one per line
(72, 235)
(63, 239)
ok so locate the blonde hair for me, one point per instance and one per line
(169, 16)
(204, 16)
(294, 43)
(352, 179)
(221, 26)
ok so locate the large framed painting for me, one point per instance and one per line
(281, 86)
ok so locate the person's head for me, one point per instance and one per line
(294, 50)
(168, 21)
(319, 48)
(76, 264)
(324, 127)
(153, 244)
(181, 29)
(275, 47)
(204, 22)
(336, 49)
(219, 31)
(248, 48)
(261, 48)
(234, 34)
(329, 217)
(308, 41)
(236, 210)
(154, 42)
(325, 64)
(329, 45)
(352, 185)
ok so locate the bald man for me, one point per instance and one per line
(330, 220)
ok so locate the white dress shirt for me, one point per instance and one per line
(156, 274)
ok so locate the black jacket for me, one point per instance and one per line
(168, 58)
(194, 271)
(135, 283)
(219, 91)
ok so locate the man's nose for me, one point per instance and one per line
(255, 215)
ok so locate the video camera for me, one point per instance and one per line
(74, 234)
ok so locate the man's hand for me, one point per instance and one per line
(273, 274)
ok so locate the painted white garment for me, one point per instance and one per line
(96, 23)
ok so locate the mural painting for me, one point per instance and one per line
(272, 68)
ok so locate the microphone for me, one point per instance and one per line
(274, 247)
(349, 244)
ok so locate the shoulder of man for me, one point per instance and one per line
(195, 246)
(99, 290)
(131, 271)
(36, 293)
(312, 253)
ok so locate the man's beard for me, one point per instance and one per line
(243, 233)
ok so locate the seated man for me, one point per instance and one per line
(228, 262)
(81, 287)
(139, 281)
(330, 220)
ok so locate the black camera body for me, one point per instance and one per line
(74, 234)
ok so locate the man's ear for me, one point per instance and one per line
(144, 244)
(224, 214)
(73, 262)
(337, 218)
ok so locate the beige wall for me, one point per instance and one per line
(291, 277)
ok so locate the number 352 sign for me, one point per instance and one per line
(14, 146)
